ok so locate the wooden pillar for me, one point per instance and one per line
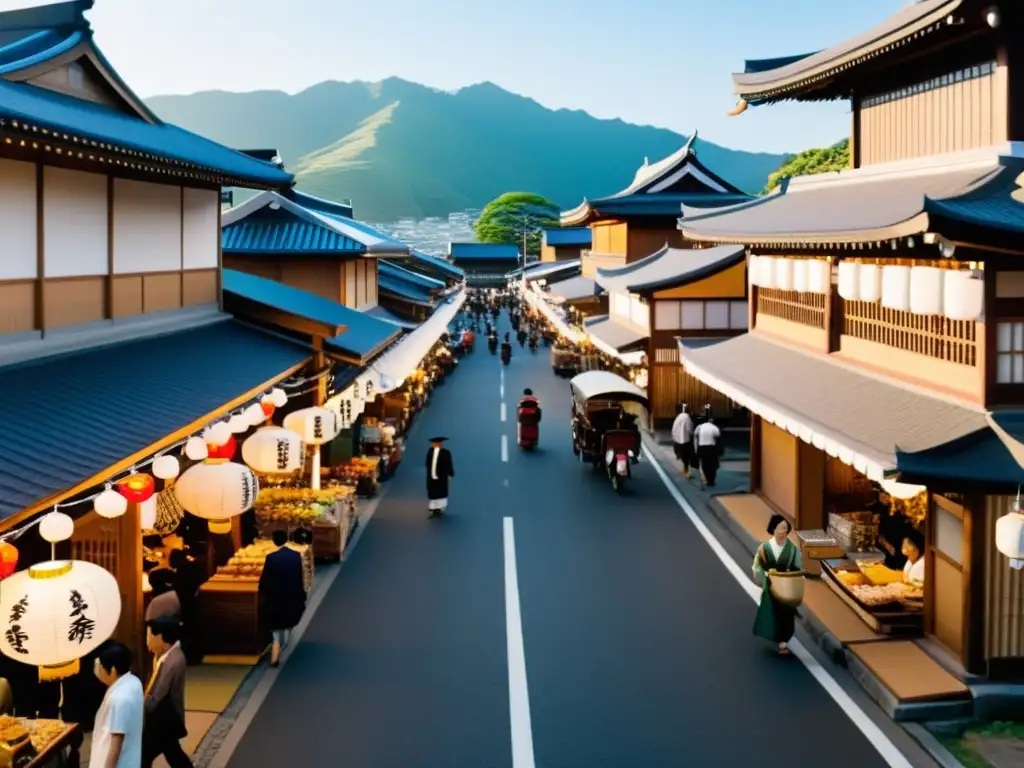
(854, 131)
(975, 551)
(833, 314)
(131, 628)
(752, 304)
(755, 452)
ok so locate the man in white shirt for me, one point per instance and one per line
(682, 438)
(117, 735)
(706, 437)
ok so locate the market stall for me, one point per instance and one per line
(39, 742)
(554, 316)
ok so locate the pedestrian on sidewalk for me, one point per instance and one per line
(774, 621)
(439, 469)
(282, 593)
(117, 735)
(682, 438)
(164, 706)
(707, 438)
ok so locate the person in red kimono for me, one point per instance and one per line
(528, 420)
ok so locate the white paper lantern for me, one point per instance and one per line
(147, 513)
(315, 425)
(819, 275)
(110, 504)
(754, 270)
(766, 272)
(219, 433)
(800, 275)
(57, 612)
(870, 282)
(849, 280)
(278, 397)
(217, 493)
(274, 450)
(238, 424)
(926, 290)
(1010, 536)
(896, 288)
(254, 415)
(56, 526)
(784, 274)
(195, 449)
(963, 296)
(167, 467)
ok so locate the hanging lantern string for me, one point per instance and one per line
(292, 383)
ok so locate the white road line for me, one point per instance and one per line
(504, 448)
(889, 751)
(503, 412)
(518, 692)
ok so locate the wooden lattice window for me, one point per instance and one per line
(954, 341)
(1010, 352)
(803, 308)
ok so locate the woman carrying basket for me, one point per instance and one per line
(776, 618)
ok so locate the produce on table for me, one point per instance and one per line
(297, 506)
(879, 595)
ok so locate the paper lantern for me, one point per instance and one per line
(819, 275)
(754, 270)
(784, 274)
(217, 493)
(278, 397)
(896, 288)
(195, 449)
(8, 559)
(147, 513)
(870, 282)
(137, 487)
(1010, 536)
(238, 424)
(167, 467)
(963, 296)
(267, 405)
(274, 450)
(800, 275)
(56, 613)
(849, 280)
(224, 452)
(56, 526)
(218, 434)
(315, 425)
(254, 415)
(110, 504)
(926, 290)
(766, 272)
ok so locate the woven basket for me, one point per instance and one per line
(787, 587)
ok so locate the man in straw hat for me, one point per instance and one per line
(439, 470)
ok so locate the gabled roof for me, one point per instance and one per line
(670, 268)
(411, 276)
(436, 265)
(36, 40)
(659, 190)
(361, 335)
(292, 223)
(483, 251)
(404, 291)
(813, 76)
(567, 236)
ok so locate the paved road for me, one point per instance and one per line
(638, 645)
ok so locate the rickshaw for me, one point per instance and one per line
(608, 413)
(564, 361)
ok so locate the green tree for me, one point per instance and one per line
(507, 218)
(822, 160)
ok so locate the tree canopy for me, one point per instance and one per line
(506, 218)
(810, 161)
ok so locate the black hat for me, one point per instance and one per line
(438, 439)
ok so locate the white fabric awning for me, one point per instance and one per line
(397, 364)
(537, 301)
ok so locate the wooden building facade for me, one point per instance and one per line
(564, 243)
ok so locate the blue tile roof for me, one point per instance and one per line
(403, 290)
(320, 204)
(567, 236)
(281, 232)
(364, 335)
(480, 251)
(106, 416)
(391, 270)
(437, 264)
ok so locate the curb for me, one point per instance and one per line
(932, 746)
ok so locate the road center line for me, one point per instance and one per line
(503, 412)
(518, 692)
(863, 722)
(504, 448)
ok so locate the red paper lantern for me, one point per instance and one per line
(267, 406)
(137, 488)
(8, 559)
(225, 452)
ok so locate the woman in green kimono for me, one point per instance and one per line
(775, 621)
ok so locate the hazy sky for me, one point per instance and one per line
(659, 62)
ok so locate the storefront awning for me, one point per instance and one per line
(670, 268)
(861, 419)
(617, 339)
(554, 317)
(552, 270)
(385, 314)
(394, 366)
(72, 421)
(573, 289)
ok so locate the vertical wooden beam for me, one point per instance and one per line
(929, 566)
(985, 341)
(975, 550)
(108, 298)
(651, 395)
(833, 314)
(855, 131)
(755, 452)
(220, 254)
(181, 238)
(131, 630)
(40, 320)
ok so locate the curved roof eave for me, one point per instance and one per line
(915, 225)
(578, 216)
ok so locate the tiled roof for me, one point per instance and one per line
(411, 276)
(68, 418)
(567, 236)
(363, 335)
(403, 290)
(385, 314)
(670, 267)
(436, 264)
(573, 288)
(614, 334)
(319, 204)
(482, 251)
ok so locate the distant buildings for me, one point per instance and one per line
(485, 263)
(564, 244)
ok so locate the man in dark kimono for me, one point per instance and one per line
(282, 593)
(439, 470)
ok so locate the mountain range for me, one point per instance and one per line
(400, 149)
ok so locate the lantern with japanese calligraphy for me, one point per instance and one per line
(274, 451)
(57, 612)
(315, 425)
(8, 559)
(137, 487)
(217, 493)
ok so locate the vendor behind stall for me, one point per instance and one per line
(913, 549)
(892, 527)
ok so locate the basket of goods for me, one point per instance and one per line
(787, 586)
(295, 506)
(13, 733)
(873, 595)
(247, 563)
(879, 574)
(854, 531)
(44, 732)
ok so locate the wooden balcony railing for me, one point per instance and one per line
(804, 308)
(954, 341)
